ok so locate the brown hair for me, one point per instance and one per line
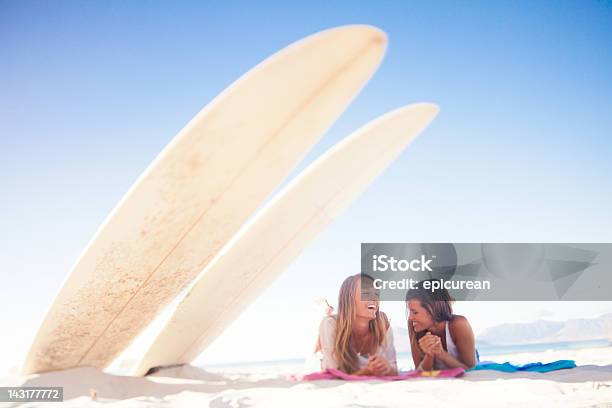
(344, 352)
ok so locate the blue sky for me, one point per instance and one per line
(92, 91)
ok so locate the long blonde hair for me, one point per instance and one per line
(344, 351)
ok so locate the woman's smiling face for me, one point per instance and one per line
(366, 300)
(418, 317)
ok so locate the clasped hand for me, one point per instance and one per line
(377, 365)
(431, 345)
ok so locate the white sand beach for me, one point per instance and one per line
(590, 384)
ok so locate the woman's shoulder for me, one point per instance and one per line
(328, 323)
(459, 324)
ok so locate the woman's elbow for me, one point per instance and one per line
(469, 365)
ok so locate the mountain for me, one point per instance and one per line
(540, 331)
(543, 331)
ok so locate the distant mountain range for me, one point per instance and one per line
(543, 331)
(540, 331)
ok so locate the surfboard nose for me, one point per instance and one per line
(367, 31)
(364, 34)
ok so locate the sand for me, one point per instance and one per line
(590, 384)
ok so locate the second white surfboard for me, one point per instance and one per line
(272, 240)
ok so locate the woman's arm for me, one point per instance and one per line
(450, 361)
(417, 354)
(385, 363)
(427, 363)
(423, 360)
(380, 366)
(463, 336)
(389, 353)
(327, 333)
(424, 351)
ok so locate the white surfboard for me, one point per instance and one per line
(280, 232)
(198, 192)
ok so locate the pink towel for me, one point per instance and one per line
(332, 373)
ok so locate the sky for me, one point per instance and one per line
(92, 91)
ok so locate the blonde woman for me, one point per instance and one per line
(358, 339)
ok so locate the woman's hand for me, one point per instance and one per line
(379, 366)
(430, 344)
(364, 371)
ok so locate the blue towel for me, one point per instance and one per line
(533, 367)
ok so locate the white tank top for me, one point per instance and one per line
(451, 349)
